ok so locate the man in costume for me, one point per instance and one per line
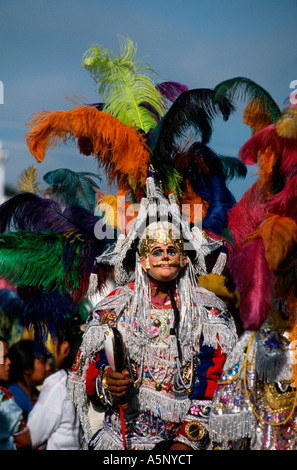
(176, 365)
(254, 407)
(176, 337)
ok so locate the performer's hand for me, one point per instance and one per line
(118, 383)
(22, 440)
(180, 446)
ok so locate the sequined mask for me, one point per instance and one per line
(164, 234)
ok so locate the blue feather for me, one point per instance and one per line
(221, 200)
(206, 174)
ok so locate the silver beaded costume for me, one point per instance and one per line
(161, 403)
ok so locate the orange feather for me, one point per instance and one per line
(266, 163)
(279, 235)
(118, 148)
(193, 207)
(256, 115)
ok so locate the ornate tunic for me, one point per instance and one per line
(254, 406)
(171, 398)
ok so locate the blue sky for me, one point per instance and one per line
(196, 42)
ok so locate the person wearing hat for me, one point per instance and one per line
(175, 336)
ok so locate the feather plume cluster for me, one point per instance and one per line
(123, 83)
(51, 251)
(264, 222)
(71, 188)
(139, 123)
(193, 110)
(48, 246)
(205, 177)
(255, 282)
(261, 108)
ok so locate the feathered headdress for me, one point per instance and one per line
(264, 224)
(54, 241)
(138, 123)
(157, 207)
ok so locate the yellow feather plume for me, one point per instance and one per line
(28, 180)
(286, 125)
(118, 211)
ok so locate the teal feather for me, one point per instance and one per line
(232, 168)
(243, 88)
(71, 188)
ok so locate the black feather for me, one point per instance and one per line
(193, 110)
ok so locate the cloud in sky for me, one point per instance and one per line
(196, 42)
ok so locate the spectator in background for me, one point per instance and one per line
(26, 372)
(11, 420)
(53, 423)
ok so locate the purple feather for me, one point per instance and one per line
(82, 219)
(171, 90)
(27, 211)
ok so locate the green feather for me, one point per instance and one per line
(174, 181)
(72, 188)
(125, 84)
(243, 88)
(30, 259)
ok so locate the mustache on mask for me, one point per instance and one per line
(164, 263)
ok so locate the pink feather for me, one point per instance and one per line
(255, 282)
(246, 215)
(284, 148)
(259, 142)
(284, 203)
